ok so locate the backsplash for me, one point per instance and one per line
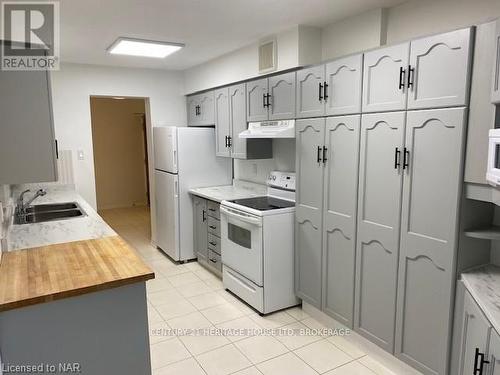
(258, 170)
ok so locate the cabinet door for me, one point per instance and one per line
(379, 209)
(384, 76)
(495, 89)
(282, 100)
(27, 134)
(256, 100)
(222, 122)
(441, 73)
(339, 220)
(200, 228)
(475, 335)
(310, 136)
(310, 92)
(207, 109)
(494, 357)
(429, 227)
(343, 79)
(193, 103)
(237, 110)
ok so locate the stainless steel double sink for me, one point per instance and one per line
(49, 212)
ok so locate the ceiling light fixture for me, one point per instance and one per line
(145, 48)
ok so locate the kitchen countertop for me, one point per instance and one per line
(54, 272)
(239, 190)
(90, 226)
(483, 284)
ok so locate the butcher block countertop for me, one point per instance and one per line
(53, 272)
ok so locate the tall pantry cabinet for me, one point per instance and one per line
(378, 197)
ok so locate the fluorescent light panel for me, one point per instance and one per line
(145, 48)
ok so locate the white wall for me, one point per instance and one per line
(422, 17)
(72, 87)
(354, 34)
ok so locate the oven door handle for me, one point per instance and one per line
(241, 216)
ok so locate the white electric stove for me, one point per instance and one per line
(257, 245)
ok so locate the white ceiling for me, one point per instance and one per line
(209, 28)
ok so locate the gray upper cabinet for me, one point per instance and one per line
(309, 203)
(200, 228)
(310, 92)
(495, 89)
(475, 335)
(433, 157)
(343, 86)
(282, 96)
(384, 78)
(379, 208)
(257, 100)
(222, 122)
(237, 108)
(339, 220)
(27, 133)
(494, 356)
(201, 109)
(440, 68)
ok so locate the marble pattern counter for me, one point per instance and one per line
(91, 226)
(483, 284)
(239, 190)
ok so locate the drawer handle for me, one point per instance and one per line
(213, 260)
(211, 209)
(212, 227)
(213, 243)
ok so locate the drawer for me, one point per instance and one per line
(213, 209)
(243, 288)
(214, 260)
(214, 226)
(214, 243)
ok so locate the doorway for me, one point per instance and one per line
(119, 136)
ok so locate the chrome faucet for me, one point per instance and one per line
(21, 205)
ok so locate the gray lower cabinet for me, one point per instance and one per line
(27, 136)
(495, 89)
(379, 209)
(310, 92)
(433, 158)
(494, 356)
(310, 136)
(339, 216)
(201, 109)
(476, 331)
(200, 228)
(230, 121)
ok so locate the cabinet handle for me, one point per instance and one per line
(325, 149)
(320, 92)
(264, 102)
(212, 227)
(229, 141)
(268, 100)
(204, 216)
(406, 158)
(397, 158)
(213, 260)
(57, 149)
(213, 243)
(212, 209)
(411, 76)
(318, 158)
(402, 74)
(479, 362)
(225, 140)
(325, 91)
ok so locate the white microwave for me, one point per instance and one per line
(493, 171)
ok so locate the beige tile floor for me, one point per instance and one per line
(187, 296)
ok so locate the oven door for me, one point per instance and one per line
(241, 243)
(493, 173)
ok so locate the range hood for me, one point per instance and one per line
(270, 129)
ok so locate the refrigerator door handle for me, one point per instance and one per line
(176, 188)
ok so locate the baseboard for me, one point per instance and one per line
(380, 355)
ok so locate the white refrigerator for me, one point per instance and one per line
(184, 158)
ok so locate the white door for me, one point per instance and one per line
(165, 148)
(384, 78)
(429, 231)
(343, 86)
(167, 213)
(379, 209)
(440, 70)
(241, 243)
(222, 122)
(310, 92)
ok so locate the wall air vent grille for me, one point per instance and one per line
(267, 55)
